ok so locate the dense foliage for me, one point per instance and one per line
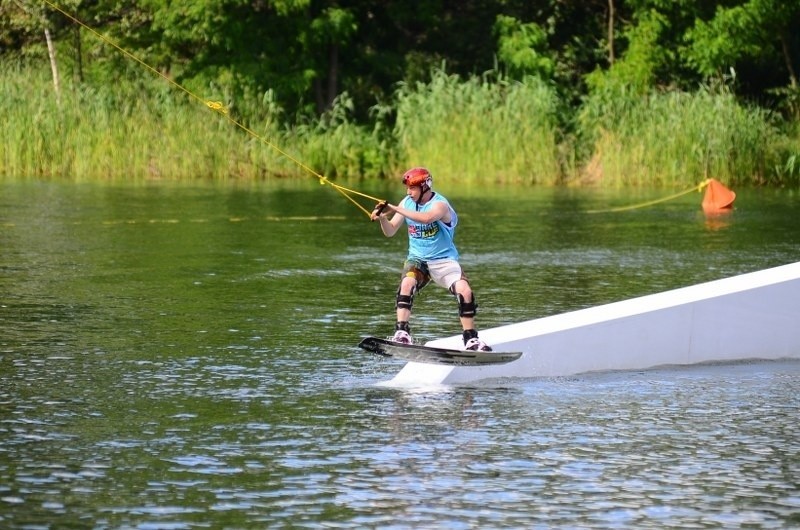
(394, 81)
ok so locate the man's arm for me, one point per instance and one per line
(438, 212)
(388, 226)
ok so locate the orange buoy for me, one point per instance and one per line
(717, 198)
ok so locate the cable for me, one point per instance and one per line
(697, 188)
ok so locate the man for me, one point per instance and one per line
(431, 253)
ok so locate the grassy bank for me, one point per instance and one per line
(127, 131)
(676, 138)
(479, 130)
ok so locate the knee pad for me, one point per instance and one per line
(404, 301)
(467, 309)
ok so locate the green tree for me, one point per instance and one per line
(330, 31)
(306, 53)
(522, 48)
(642, 61)
(757, 30)
(22, 22)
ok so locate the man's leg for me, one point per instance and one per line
(405, 301)
(466, 312)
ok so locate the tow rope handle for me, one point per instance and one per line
(379, 208)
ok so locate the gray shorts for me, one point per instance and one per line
(443, 272)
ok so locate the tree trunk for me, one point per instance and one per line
(51, 51)
(610, 32)
(326, 90)
(333, 74)
(787, 57)
(78, 54)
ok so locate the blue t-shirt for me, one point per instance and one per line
(428, 242)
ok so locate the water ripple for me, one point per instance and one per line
(205, 375)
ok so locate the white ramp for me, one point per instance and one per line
(751, 316)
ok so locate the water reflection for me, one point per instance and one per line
(718, 220)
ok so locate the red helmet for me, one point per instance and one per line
(417, 176)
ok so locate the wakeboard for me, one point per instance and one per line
(428, 354)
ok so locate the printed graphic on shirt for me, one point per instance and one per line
(423, 231)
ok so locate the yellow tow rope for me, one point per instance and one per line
(218, 107)
(698, 188)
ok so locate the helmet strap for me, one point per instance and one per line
(424, 188)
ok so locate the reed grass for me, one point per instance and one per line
(484, 129)
(130, 131)
(479, 130)
(338, 147)
(676, 139)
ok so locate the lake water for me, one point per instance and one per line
(183, 356)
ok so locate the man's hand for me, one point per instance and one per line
(378, 210)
